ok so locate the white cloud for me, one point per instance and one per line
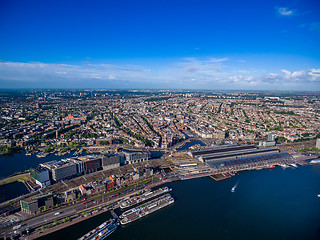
(283, 11)
(49, 72)
(310, 75)
(205, 73)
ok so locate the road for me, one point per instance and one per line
(75, 209)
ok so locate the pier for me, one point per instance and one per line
(221, 176)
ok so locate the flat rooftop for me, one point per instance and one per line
(239, 153)
(231, 148)
(247, 160)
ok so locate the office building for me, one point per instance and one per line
(34, 204)
(135, 157)
(41, 176)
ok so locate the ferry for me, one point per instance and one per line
(143, 197)
(145, 209)
(102, 231)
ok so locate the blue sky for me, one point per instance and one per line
(160, 44)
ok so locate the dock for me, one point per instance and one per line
(220, 176)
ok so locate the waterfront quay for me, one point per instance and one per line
(177, 166)
(76, 213)
(115, 203)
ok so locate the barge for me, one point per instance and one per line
(102, 231)
(145, 209)
(143, 197)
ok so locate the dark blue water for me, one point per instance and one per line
(12, 190)
(187, 145)
(155, 155)
(19, 162)
(267, 204)
(186, 135)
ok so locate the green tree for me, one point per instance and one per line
(315, 149)
(43, 227)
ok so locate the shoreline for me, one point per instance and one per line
(215, 177)
(38, 234)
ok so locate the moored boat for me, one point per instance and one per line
(102, 231)
(145, 209)
(143, 197)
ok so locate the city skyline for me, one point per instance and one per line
(268, 45)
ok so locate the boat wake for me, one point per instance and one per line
(234, 187)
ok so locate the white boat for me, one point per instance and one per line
(315, 161)
(318, 195)
(233, 189)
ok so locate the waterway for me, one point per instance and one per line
(19, 162)
(267, 204)
(189, 144)
(12, 190)
(155, 155)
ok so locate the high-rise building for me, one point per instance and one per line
(60, 169)
(41, 176)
